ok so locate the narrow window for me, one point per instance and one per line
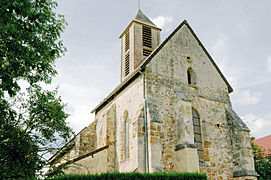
(127, 64)
(191, 78)
(126, 137)
(197, 133)
(147, 40)
(127, 40)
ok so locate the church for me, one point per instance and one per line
(171, 112)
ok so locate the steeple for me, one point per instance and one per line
(140, 17)
(138, 40)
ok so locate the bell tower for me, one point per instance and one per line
(138, 40)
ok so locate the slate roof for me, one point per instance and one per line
(265, 142)
(141, 17)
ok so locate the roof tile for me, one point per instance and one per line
(265, 142)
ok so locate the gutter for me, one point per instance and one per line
(145, 124)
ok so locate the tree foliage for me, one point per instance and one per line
(29, 42)
(262, 161)
(31, 122)
(30, 132)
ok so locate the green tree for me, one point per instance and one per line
(29, 42)
(32, 123)
(262, 161)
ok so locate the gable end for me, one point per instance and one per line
(147, 60)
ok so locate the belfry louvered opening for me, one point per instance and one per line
(146, 52)
(147, 40)
(127, 64)
(127, 40)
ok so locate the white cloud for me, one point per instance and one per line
(161, 21)
(246, 97)
(268, 64)
(259, 125)
(80, 101)
(80, 116)
(219, 51)
(220, 45)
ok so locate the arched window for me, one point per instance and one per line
(197, 133)
(191, 78)
(126, 135)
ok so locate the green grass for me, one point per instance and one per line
(134, 176)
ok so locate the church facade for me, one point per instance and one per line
(171, 112)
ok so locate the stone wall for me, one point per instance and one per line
(109, 129)
(243, 162)
(170, 101)
(128, 103)
(96, 164)
(88, 139)
(84, 142)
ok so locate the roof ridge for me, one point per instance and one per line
(263, 137)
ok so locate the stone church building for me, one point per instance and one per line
(171, 112)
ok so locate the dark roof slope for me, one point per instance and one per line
(149, 58)
(143, 18)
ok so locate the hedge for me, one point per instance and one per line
(134, 176)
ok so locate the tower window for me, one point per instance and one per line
(146, 32)
(127, 64)
(127, 40)
(197, 132)
(147, 40)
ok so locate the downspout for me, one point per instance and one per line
(145, 124)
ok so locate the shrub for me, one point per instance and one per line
(135, 176)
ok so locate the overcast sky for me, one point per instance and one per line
(236, 33)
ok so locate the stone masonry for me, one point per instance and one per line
(147, 124)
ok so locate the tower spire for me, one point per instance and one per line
(138, 40)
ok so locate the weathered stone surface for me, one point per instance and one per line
(222, 137)
(89, 165)
(232, 115)
(245, 173)
(184, 145)
(186, 160)
(182, 96)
